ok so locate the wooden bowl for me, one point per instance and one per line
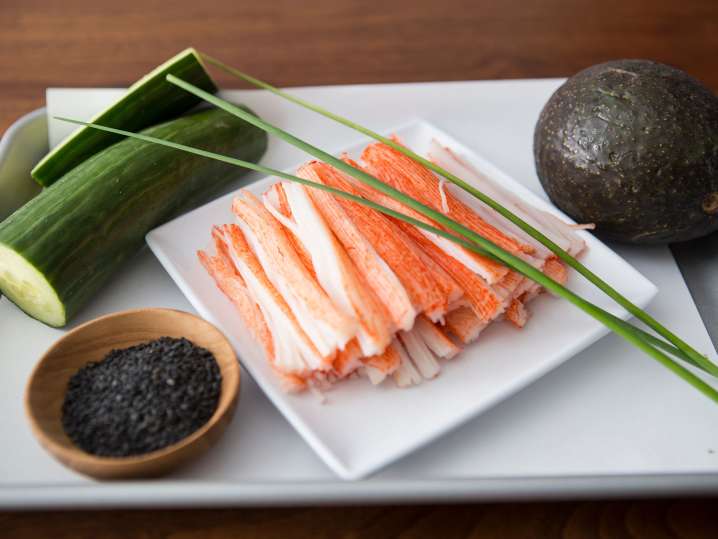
(45, 391)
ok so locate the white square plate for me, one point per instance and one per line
(363, 428)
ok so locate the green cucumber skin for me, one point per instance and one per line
(80, 231)
(155, 101)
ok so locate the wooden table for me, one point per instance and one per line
(103, 43)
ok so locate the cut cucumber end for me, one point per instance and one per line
(28, 289)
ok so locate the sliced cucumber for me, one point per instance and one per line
(25, 286)
(148, 101)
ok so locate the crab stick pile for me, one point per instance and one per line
(332, 289)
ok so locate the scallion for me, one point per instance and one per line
(476, 243)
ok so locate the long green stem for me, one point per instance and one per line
(484, 247)
(636, 311)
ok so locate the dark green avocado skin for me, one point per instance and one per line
(632, 146)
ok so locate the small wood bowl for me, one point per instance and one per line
(46, 389)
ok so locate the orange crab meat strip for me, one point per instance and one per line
(378, 367)
(406, 374)
(294, 352)
(348, 360)
(386, 362)
(510, 284)
(373, 240)
(560, 232)
(484, 267)
(484, 301)
(435, 338)
(327, 326)
(276, 198)
(420, 355)
(233, 286)
(449, 288)
(463, 323)
(556, 269)
(489, 269)
(412, 178)
(516, 313)
(337, 274)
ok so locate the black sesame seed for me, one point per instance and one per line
(142, 398)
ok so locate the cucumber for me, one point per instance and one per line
(149, 101)
(63, 245)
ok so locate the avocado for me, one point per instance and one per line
(632, 146)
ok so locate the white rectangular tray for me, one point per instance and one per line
(609, 422)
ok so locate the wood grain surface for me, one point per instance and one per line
(111, 43)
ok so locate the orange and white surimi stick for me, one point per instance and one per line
(417, 181)
(275, 200)
(328, 327)
(488, 269)
(557, 270)
(384, 282)
(376, 245)
(406, 373)
(382, 365)
(435, 338)
(559, 232)
(233, 286)
(463, 323)
(483, 299)
(516, 313)
(420, 355)
(348, 360)
(336, 273)
(294, 352)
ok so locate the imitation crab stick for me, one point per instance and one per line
(419, 353)
(380, 366)
(435, 338)
(376, 244)
(559, 232)
(557, 270)
(415, 180)
(234, 287)
(275, 200)
(406, 373)
(380, 275)
(336, 273)
(294, 353)
(485, 302)
(464, 324)
(488, 269)
(348, 360)
(516, 313)
(483, 299)
(327, 326)
(508, 286)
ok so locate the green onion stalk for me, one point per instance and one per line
(459, 234)
(686, 352)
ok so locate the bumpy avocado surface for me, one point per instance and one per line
(632, 145)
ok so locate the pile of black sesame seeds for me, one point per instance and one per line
(142, 398)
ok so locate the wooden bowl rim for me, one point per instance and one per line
(231, 372)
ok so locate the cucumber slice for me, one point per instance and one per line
(26, 287)
(148, 101)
